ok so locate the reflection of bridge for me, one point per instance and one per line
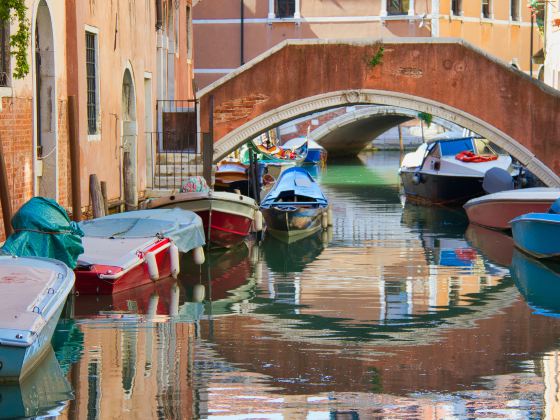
(447, 78)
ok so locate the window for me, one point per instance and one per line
(4, 53)
(486, 9)
(92, 83)
(457, 7)
(515, 10)
(189, 33)
(285, 8)
(398, 7)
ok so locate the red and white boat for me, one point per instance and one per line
(127, 250)
(496, 210)
(227, 217)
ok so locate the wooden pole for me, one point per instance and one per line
(74, 159)
(96, 197)
(5, 195)
(400, 138)
(104, 195)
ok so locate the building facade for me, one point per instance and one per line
(118, 59)
(552, 47)
(228, 34)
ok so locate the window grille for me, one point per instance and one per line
(285, 8)
(398, 7)
(91, 74)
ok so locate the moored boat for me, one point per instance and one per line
(295, 207)
(32, 294)
(449, 171)
(537, 234)
(232, 175)
(498, 209)
(227, 217)
(316, 154)
(127, 250)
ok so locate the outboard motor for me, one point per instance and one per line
(555, 208)
(497, 180)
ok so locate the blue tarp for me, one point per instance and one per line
(42, 228)
(298, 182)
(183, 227)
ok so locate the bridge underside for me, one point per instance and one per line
(350, 139)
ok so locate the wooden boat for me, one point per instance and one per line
(497, 210)
(316, 154)
(269, 152)
(128, 250)
(295, 207)
(232, 175)
(449, 171)
(32, 294)
(537, 234)
(227, 217)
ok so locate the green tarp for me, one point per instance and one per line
(42, 228)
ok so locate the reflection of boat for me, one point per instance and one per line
(295, 207)
(43, 392)
(223, 271)
(32, 294)
(127, 250)
(495, 245)
(538, 282)
(498, 209)
(434, 219)
(227, 217)
(282, 257)
(449, 171)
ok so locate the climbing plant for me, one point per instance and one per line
(377, 57)
(536, 7)
(12, 11)
(427, 118)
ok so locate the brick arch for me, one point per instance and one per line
(447, 78)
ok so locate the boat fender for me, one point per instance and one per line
(174, 260)
(325, 238)
(198, 255)
(416, 179)
(198, 293)
(153, 269)
(258, 221)
(325, 220)
(330, 216)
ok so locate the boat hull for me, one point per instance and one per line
(18, 362)
(537, 234)
(90, 281)
(227, 219)
(497, 214)
(293, 223)
(318, 156)
(441, 189)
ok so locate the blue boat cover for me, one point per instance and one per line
(555, 208)
(183, 227)
(298, 181)
(42, 228)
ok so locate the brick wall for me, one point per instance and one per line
(16, 134)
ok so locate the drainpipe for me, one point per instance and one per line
(159, 13)
(531, 46)
(242, 33)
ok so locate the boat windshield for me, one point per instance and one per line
(452, 147)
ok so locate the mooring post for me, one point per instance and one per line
(104, 195)
(5, 195)
(208, 145)
(96, 197)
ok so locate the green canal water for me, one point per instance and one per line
(397, 311)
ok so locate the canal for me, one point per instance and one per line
(397, 311)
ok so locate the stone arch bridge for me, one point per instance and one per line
(447, 78)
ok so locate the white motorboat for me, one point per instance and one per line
(33, 291)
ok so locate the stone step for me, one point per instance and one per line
(178, 170)
(170, 182)
(178, 158)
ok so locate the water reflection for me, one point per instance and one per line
(45, 391)
(496, 246)
(538, 282)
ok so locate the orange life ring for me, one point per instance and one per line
(468, 156)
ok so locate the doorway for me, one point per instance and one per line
(129, 142)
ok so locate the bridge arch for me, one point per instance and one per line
(306, 106)
(448, 78)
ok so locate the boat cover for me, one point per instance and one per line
(183, 227)
(300, 182)
(42, 228)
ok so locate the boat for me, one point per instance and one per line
(232, 175)
(127, 250)
(316, 154)
(227, 217)
(32, 294)
(295, 207)
(497, 210)
(449, 171)
(267, 152)
(538, 282)
(537, 233)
